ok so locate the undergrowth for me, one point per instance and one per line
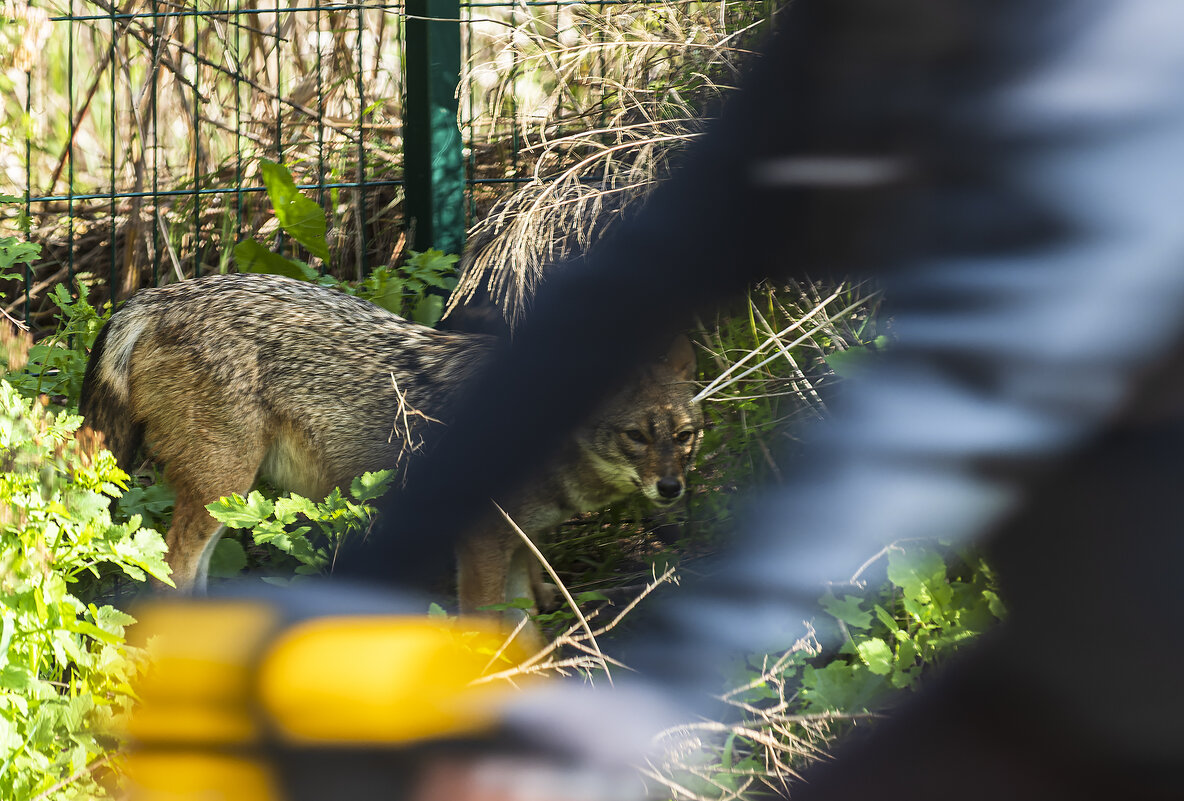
(65, 668)
(774, 363)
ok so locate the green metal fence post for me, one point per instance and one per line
(433, 166)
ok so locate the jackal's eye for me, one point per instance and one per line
(683, 437)
(636, 435)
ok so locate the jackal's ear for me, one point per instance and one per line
(680, 358)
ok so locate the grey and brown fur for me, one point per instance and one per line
(230, 377)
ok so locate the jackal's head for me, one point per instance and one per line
(646, 437)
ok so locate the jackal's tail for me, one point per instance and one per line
(106, 399)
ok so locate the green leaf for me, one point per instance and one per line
(287, 509)
(591, 596)
(906, 653)
(887, 619)
(995, 604)
(428, 310)
(299, 216)
(436, 611)
(229, 559)
(847, 610)
(726, 758)
(16, 678)
(111, 619)
(251, 257)
(517, 603)
(91, 630)
(13, 252)
(918, 571)
(145, 550)
(155, 499)
(429, 262)
(371, 486)
(840, 687)
(876, 654)
(239, 512)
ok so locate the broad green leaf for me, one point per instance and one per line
(229, 559)
(16, 678)
(370, 486)
(847, 610)
(725, 780)
(90, 630)
(430, 261)
(726, 758)
(145, 551)
(286, 509)
(302, 218)
(428, 310)
(840, 687)
(239, 512)
(917, 571)
(274, 532)
(906, 653)
(995, 604)
(876, 654)
(251, 257)
(887, 619)
(13, 252)
(111, 619)
(156, 499)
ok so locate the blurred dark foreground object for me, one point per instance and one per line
(1010, 171)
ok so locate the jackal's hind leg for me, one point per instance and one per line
(194, 533)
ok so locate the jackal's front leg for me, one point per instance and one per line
(497, 569)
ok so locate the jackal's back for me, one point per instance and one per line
(309, 373)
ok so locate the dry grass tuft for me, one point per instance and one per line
(625, 90)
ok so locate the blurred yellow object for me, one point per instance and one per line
(236, 688)
(190, 776)
(199, 686)
(380, 680)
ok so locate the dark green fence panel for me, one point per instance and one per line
(433, 165)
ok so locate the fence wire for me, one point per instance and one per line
(132, 132)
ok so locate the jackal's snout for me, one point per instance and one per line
(669, 488)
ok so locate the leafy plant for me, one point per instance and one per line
(415, 289)
(928, 602)
(934, 601)
(57, 364)
(408, 289)
(307, 533)
(64, 666)
(300, 217)
(152, 502)
(14, 251)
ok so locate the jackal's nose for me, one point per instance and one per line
(669, 487)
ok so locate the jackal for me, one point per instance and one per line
(231, 377)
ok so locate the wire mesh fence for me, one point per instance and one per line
(132, 132)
